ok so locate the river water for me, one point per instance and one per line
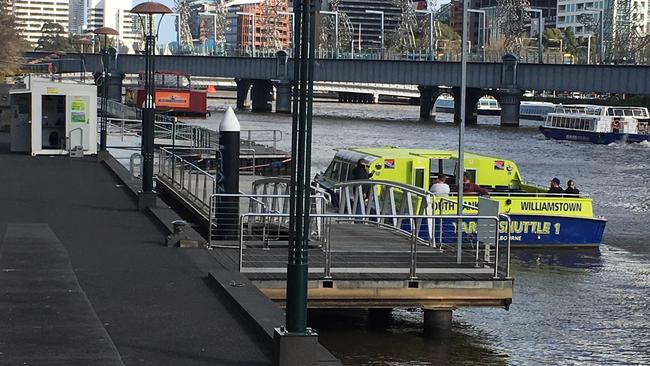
(570, 306)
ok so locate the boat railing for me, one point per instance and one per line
(527, 194)
(486, 250)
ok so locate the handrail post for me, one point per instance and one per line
(328, 250)
(413, 269)
(496, 251)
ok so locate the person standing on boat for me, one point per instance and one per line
(555, 186)
(440, 188)
(360, 172)
(473, 188)
(571, 187)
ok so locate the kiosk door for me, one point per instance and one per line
(53, 122)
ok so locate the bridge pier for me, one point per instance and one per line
(283, 96)
(437, 322)
(261, 95)
(510, 100)
(471, 107)
(243, 85)
(426, 100)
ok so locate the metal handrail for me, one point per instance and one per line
(250, 142)
(168, 171)
(498, 270)
(259, 199)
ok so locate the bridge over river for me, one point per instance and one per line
(506, 80)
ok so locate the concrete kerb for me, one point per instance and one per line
(240, 292)
(163, 214)
(258, 308)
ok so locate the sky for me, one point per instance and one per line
(168, 28)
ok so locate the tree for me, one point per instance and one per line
(52, 38)
(551, 37)
(570, 42)
(13, 45)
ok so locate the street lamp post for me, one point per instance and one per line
(461, 133)
(252, 15)
(380, 12)
(601, 50)
(430, 12)
(293, 26)
(540, 49)
(146, 13)
(105, 31)
(482, 30)
(336, 30)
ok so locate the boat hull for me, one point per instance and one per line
(590, 136)
(527, 231)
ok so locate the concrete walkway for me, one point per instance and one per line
(87, 280)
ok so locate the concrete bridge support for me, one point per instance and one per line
(283, 96)
(261, 95)
(510, 100)
(471, 108)
(437, 322)
(427, 100)
(243, 85)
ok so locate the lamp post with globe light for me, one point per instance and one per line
(146, 12)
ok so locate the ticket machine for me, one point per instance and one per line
(53, 118)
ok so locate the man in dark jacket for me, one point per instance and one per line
(473, 188)
(360, 172)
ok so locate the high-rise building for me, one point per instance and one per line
(367, 26)
(617, 14)
(548, 8)
(32, 14)
(115, 14)
(76, 16)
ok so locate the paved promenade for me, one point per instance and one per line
(87, 280)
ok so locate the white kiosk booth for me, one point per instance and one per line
(53, 118)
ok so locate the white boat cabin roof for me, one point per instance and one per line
(601, 110)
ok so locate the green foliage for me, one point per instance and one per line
(447, 32)
(53, 39)
(13, 45)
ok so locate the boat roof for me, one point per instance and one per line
(396, 152)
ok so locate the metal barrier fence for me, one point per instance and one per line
(345, 246)
(250, 138)
(226, 211)
(165, 133)
(186, 176)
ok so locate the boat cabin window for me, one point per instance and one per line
(333, 170)
(444, 166)
(346, 171)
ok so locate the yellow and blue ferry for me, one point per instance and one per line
(538, 218)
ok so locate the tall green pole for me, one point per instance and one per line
(298, 264)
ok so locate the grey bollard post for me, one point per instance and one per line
(227, 209)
